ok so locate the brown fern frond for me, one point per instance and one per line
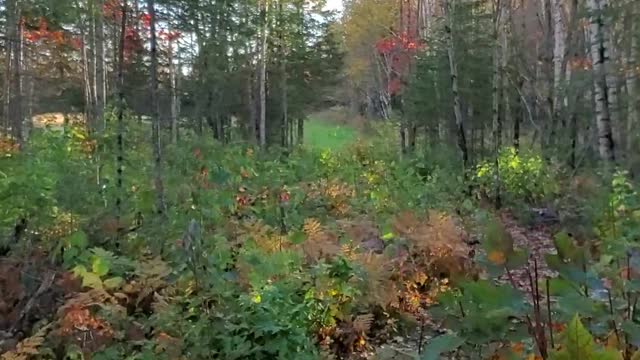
(380, 287)
(320, 244)
(28, 347)
(87, 299)
(362, 323)
(438, 243)
(311, 227)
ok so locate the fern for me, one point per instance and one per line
(28, 347)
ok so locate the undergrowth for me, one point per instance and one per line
(318, 254)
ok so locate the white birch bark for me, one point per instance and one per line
(448, 6)
(559, 51)
(100, 82)
(599, 56)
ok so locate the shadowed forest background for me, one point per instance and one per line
(277, 179)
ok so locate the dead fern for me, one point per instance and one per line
(28, 347)
(437, 243)
(362, 323)
(378, 280)
(320, 244)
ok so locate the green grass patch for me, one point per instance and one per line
(321, 134)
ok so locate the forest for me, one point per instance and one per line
(319, 179)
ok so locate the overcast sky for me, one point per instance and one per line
(334, 4)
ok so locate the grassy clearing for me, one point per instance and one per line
(323, 134)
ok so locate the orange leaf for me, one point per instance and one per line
(497, 257)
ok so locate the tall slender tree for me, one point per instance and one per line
(600, 57)
(448, 7)
(155, 111)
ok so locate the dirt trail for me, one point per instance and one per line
(537, 241)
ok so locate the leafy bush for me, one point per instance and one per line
(524, 176)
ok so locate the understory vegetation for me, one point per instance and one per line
(314, 254)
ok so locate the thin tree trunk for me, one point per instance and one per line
(497, 98)
(300, 131)
(15, 100)
(263, 73)
(251, 125)
(100, 79)
(574, 140)
(120, 129)
(448, 6)
(519, 115)
(284, 125)
(403, 136)
(631, 78)
(610, 65)
(507, 112)
(173, 79)
(86, 78)
(155, 112)
(559, 52)
(6, 123)
(599, 54)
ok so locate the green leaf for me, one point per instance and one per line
(113, 283)
(564, 245)
(517, 259)
(77, 240)
(607, 354)
(497, 238)
(91, 280)
(578, 341)
(441, 344)
(100, 266)
(297, 237)
(633, 330)
(79, 270)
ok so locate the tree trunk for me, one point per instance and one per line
(284, 125)
(89, 105)
(631, 78)
(403, 136)
(520, 107)
(253, 116)
(559, 52)
(263, 73)
(497, 97)
(300, 131)
(173, 79)
(100, 79)
(15, 99)
(155, 112)
(120, 129)
(599, 55)
(448, 6)
(6, 123)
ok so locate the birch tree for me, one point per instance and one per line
(600, 56)
(99, 60)
(630, 66)
(448, 7)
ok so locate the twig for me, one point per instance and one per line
(461, 309)
(553, 345)
(421, 339)
(46, 284)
